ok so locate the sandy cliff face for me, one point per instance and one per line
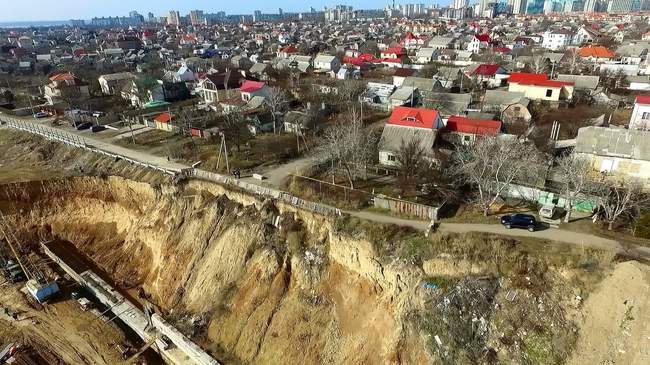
(258, 283)
(296, 293)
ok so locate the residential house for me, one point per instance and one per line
(327, 63)
(449, 77)
(412, 41)
(405, 125)
(393, 53)
(616, 150)
(401, 74)
(465, 131)
(63, 87)
(140, 91)
(405, 95)
(582, 82)
(556, 40)
(241, 62)
(210, 86)
(596, 54)
(447, 103)
(640, 119)
(639, 83)
(425, 55)
(184, 74)
(421, 83)
(477, 42)
(259, 71)
(164, 122)
(250, 89)
(440, 42)
(512, 107)
(287, 51)
(539, 87)
(378, 95)
(112, 84)
(490, 76)
(585, 35)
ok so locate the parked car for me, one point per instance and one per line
(83, 126)
(547, 211)
(41, 115)
(97, 128)
(525, 221)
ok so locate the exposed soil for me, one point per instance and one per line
(315, 291)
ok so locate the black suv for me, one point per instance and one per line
(524, 221)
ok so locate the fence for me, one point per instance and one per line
(264, 191)
(406, 207)
(74, 140)
(381, 201)
(47, 133)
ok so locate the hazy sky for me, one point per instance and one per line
(22, 10)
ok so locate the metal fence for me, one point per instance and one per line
(74, 140)
(77, 141)
(47, 133)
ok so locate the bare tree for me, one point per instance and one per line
(409, 158)
(349, 146)
(573, 60)
(235, 129)
(277, 103)
(618, 196)
(350, 91)
(538, 62)
(492, 166)
(574, 175)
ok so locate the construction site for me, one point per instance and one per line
(105, 262)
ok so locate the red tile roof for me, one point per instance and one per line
(537, 80)
(289, 49)
(397, 50)
(413, 117)
(251, 86)
(473, 126)
(596, 52)
(483, 37)
(486, 70)
(643, 99)
(66, 76)
(163, 118)
(521, 77)
(404, 72)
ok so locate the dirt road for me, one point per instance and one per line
(277, 176)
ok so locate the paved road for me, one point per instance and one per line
(278, 175)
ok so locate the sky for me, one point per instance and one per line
(27, 10)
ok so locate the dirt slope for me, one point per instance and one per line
(616, 321)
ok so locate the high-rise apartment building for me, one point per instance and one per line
(460, 4)
(519, 6)
(174, 18)
(620, 6)
(196, 17)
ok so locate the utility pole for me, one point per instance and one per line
(223, 148)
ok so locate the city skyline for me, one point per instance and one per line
(23, 11)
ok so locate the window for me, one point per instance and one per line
(391, 158)
(517, 109)
(467, 138)
(646, 116)
(549, 93)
